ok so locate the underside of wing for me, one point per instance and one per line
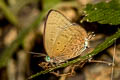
(69, 43)
(54, 25)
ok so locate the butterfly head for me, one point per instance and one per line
(55, 60)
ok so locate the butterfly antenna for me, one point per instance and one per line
(41, 54)
(112, 73)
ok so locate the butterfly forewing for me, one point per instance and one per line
(54, 25)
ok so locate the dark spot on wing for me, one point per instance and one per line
(51, 39)
(58, 42)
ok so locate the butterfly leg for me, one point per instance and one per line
(45, 65)
(52, 65)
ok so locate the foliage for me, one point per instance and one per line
(103, 13)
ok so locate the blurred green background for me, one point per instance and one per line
(21, 32)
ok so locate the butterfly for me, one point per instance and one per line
(63, 40)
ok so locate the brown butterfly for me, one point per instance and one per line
(63, 40)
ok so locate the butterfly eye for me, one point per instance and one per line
(47, 58)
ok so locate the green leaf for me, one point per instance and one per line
(103, 13)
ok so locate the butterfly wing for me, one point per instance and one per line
(70, 43)
(54, 25)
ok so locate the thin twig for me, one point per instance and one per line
(113, 60)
